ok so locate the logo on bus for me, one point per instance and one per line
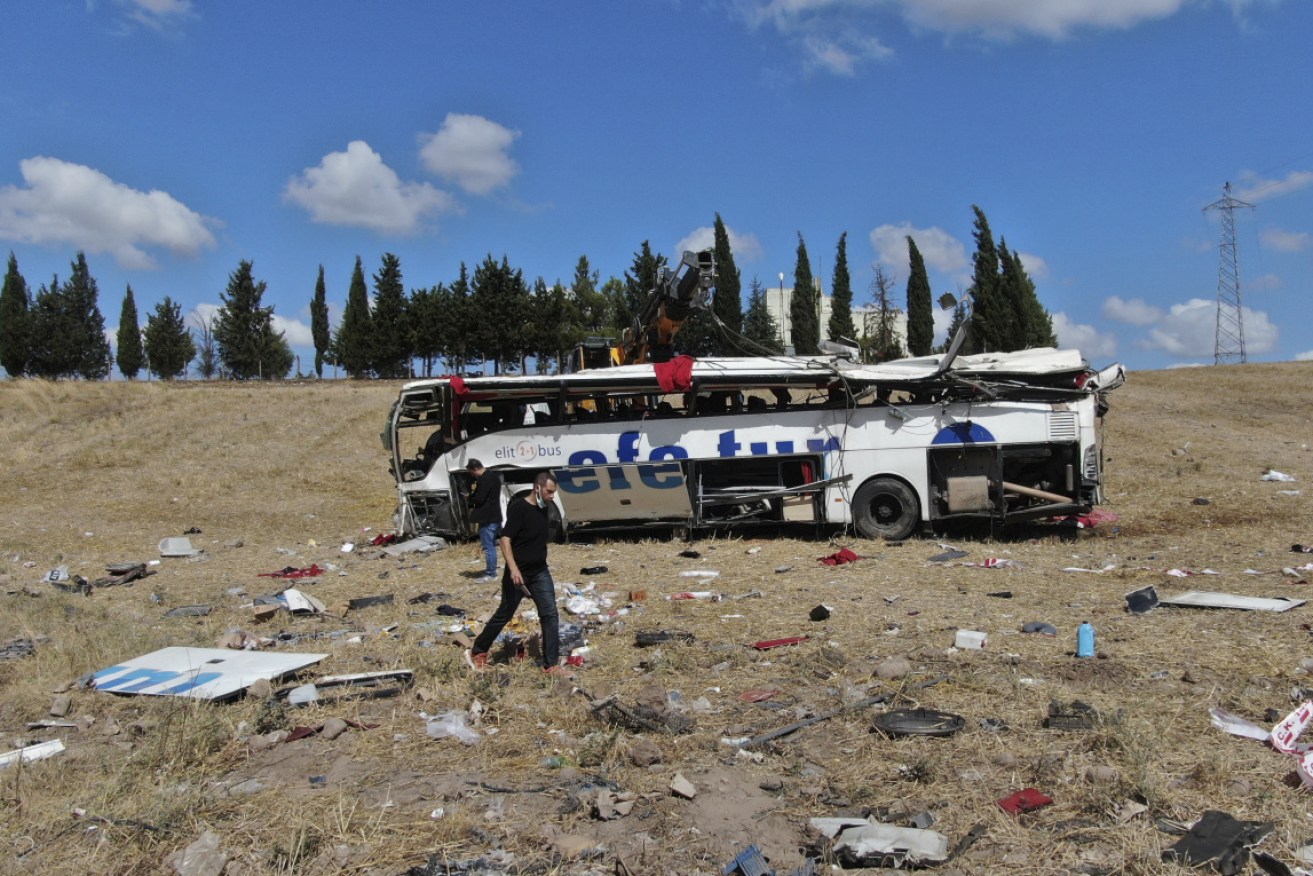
(526, 451)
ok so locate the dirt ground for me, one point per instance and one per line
(283, 475)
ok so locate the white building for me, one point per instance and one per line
(779, 301)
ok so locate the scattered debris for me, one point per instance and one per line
(594, 570)
(1283, 737)
(197, 673)
(293, 573)
(354, 686)
(17, 649)
(917, 722)
(1273, 475)
(29, 753)
(869, 843)
(682, 787)
(650, 716)
(779, 643)
(1220, 840)
(814, 719)
(1040, 627)
(420, 544)
(1025, 800)
(820, 613)
(948, 555)
(750, 862)
(177, 546)
(971, 640)
(202, 858)
(1206, 599)
(694, 594)
(367, 601)
(454, 723)
(840, 557)
(1142, 601)
(699, 573)
(188, 611)
(1075, 715)
(298, 602)
(122, 573)
(1001, 594)
(650, 638)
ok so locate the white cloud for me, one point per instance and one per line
(75, 205)
(837, 34)
(1136, 311)
(1189, 330)
(746, 247)
(355, 188)
(1306, 356)
(471, 152)
(940, 250)
(1285, 241)
(1092, 343)
(158, 15)
(294, 331)
(1036, 267)
(1255, 188)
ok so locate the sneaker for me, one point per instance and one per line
(477, 662)
(558, 672)
(485, 579)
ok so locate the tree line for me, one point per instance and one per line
(493, 317)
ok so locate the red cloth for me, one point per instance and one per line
(839, 558)
(311, 571)
(458, 385)
(675, 375)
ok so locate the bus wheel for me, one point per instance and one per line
(886, 508)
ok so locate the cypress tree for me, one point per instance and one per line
(1037, 325)
(728, 301)
(920, 308)
(459, 323)
(15, 302)
(249, 347)
(353, 349)
(804, 310)
(93, 354)
(639, 285)
(390, 334)
(759, 326)
(169, 345)
(128, 339)
(841, 296)
(319, 329)
(52, 334)
(992, 315)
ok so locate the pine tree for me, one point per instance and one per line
(128, 339)
(920, 308)
(81, 292)
(804, 309)
(169, 347)
(459, 323)
(249, 347)
(319, 328)
(759, 327)
(1031, 315)
(592, 305)
(424, 326)
(390, 333)
(15, 302)
(52, 331)
(991, 319)
(841, 296)
(639, 285)
(353, 345)
(728, 300)
(501, 300)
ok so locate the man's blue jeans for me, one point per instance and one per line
(488, 534)
(543, 592)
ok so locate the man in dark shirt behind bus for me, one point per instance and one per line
(524, 545)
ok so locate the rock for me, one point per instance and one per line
(570, 845)
(1239, 788)
(202, 858)
(110, 728)
(1102, 775)
(259, 689)
(682, 787)
(894, 667)
(61, 705)
(643, 752)
(1005, 759)
(246, 788)
(333, 728)
(267, 740)
(774, 783)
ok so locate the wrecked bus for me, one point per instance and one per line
(885, 449)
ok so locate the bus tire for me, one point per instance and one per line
(886, 508)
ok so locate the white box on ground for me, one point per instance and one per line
(971, 640)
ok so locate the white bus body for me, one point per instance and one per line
(887, 449)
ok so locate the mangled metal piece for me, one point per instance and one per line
(865, 843)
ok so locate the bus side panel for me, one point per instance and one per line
(640, 492)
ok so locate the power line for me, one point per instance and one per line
(1229, 340)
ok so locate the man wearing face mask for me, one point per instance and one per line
(524, 547)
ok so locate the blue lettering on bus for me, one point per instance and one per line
(583, 476)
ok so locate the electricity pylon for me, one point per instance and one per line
(1229, 341)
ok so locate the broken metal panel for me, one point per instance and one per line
(1206, 599)
(197, 673)
(644, 491)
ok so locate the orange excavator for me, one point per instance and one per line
(678, 293)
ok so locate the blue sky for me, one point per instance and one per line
(171, 139)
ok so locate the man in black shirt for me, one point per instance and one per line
(485, 510)
(524, 545)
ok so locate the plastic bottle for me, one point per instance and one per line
(1085, 640)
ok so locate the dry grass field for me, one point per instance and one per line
(283, 475)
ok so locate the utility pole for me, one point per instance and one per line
(1229, 341)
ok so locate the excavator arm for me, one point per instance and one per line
(677, 294)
